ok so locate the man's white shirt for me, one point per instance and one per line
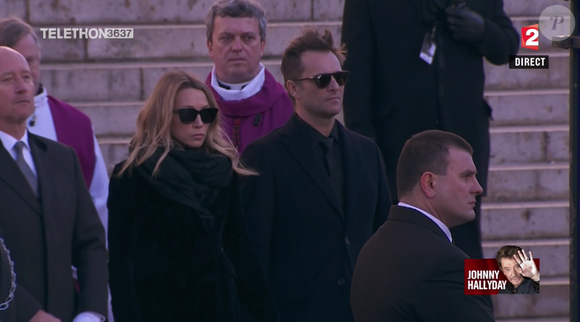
(428, 215)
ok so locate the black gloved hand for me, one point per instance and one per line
(465, 24)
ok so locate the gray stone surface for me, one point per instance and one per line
(116, 119)
(113, 153)
(529, 8)
(552, 301)
(503, 78)
(528, 185)
(529, 109)
(62, 50)
(153, 11)
(152, 75)
(188, 42)
(121, 84)
(13, 8)
(280, 35)
(553, 258)
(525, 223)
(528, 147)
(558, 146)
(327, 10)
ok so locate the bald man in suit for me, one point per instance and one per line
(48, 218)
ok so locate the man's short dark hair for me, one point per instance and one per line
(13, 29)
(310, 40)
(236, 9)
(427, 151)
(507, 251)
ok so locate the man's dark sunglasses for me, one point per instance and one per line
(189, 115)
(323, 80)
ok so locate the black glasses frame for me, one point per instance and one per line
(189, 115)
(323, 80)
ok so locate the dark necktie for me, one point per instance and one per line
(331, 166)
(26, 171)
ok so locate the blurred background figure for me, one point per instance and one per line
(251, 102)
(417, 65)
(179, 249)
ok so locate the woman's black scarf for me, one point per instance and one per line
(190, 177)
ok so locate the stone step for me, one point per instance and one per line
(529, 144)
(542, 181)
(530, 8)
(501, 78)
(135, 80)
(552, 304)
(119, 81)
(160, 11)
(525, 220)
(509, 108)
(529, 107)
(554, 254)
(164, 42)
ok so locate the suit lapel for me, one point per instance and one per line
(11, 174)
(352, 155)
(297, 143)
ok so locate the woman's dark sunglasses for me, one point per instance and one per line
(323, 80)
(189, 115)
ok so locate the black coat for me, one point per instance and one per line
(392, 93)
(409, 271)
(165, 267)
(47, 236)
(306, 242)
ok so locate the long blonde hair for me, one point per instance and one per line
(154, 123)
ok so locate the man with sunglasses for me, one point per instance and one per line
(251, 102)
(321, 190)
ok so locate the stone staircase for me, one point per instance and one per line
(527, 198)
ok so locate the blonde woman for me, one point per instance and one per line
(179, 249)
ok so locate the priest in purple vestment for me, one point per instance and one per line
(251, 102)
(59, 121)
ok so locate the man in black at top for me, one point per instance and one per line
(417, 65)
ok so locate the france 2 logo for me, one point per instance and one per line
(530, 35)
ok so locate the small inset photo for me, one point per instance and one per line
(513, 271)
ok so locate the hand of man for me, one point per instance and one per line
(527, 266)
(42, 316)
(465, 24)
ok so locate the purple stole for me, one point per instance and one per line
(74, 129)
